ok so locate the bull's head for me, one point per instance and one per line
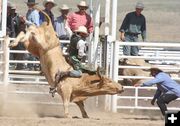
(108, 85)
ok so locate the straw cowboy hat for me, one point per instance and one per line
(64, 7)
(31, 2)
(139, 5)
(82, 29)
(49, 1)
(82, 4)
(13, 7)
(9, 4)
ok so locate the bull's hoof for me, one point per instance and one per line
(11, 44)
(86, 116)
(52, 91)
(68, 116)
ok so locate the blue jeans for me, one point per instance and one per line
(75, 73)
(131, 50)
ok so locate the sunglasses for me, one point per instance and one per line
(83, 8)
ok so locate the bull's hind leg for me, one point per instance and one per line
(81, 107)
(65, 93)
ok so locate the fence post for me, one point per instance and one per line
(136, 97)
(115, 72)
(6, 60)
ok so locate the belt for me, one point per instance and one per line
(132, 34)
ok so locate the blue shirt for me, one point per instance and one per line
(60, 29)
(32, 17)
(164, 84)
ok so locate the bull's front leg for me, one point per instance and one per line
(80, 104)
(18, 39)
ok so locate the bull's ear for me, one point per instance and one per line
(101, 83)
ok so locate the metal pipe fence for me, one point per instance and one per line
(135, 97)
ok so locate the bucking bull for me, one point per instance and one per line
(42, 42)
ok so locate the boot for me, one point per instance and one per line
(61, 75)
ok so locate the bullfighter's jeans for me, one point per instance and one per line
(165, 99)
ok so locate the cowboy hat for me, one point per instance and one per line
(82, 4)
(49, 1)
(139, 5)
(154, 68)
(64, 7)
(82, 29)
(9, 4)
(13, 7)
(31, 2)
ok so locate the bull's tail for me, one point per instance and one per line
(48, 19)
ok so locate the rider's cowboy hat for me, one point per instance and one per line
(82, 29)
(49, 1)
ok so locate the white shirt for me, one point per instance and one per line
(81, 46)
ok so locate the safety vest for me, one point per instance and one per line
(73, 51)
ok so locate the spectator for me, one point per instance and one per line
(80, 18)
(48, 4)
(20, 46)
(13, 29)
(13, 21)
(76, 54)
(32, 18)
(61, 22)
(32, 15)
(133, 24)
(8, 24)
(167, 89)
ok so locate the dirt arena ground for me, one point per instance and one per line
(28, 109)
(98, 119)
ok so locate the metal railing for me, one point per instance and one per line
(134, 98)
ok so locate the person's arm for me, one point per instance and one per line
(90, 26)
(157, 79)
(122, 36)
(123, 27)
(69, 31)
(143, 30)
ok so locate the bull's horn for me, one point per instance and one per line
(46, 15)
(98, 72)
